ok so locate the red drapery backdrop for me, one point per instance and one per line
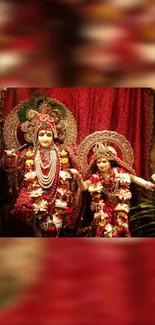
(124, 110)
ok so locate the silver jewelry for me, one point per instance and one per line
(46, 181)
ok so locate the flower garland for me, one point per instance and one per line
(63, 202)
(58, 196)
(108, 208)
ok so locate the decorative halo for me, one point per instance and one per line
(111, 137)
(10, 130)
(17, 130)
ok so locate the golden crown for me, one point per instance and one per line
(104, 150)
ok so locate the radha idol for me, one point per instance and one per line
(46, 194)
(107, 182)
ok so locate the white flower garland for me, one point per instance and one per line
(62, 192)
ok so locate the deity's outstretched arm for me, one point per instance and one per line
(14, 159)
(142, 182)
(83, 185)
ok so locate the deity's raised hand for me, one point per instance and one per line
(10, 153)
(10, 159)
(150, 186)
(153, 177)
(75, 173)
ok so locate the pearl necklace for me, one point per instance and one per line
(46, 181)
(47, 158)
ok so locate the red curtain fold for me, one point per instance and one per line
(124, 110)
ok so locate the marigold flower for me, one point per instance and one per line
(29, 162)
(64, 160)
(29, 153)
(63, 153)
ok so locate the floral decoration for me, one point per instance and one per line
(35, 202)
(109, 208)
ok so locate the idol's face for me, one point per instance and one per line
(103, 165)
(45, 138)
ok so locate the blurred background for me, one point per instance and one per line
(55, 43)
(77, 43)
(77, 282)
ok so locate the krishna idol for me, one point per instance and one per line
(46, 194)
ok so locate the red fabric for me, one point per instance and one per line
(125, 110)
(90, 282)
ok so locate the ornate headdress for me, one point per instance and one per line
(101, 144)
(25, 119)
(37, 121)
(103, 150)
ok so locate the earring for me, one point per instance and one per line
(55, 134)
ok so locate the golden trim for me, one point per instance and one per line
(10, 128)
(69, 122)
(12, 120)
(111, 137)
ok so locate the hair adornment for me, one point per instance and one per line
(101, 143)
(103, 150)
(21, 122)
(43, 121)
